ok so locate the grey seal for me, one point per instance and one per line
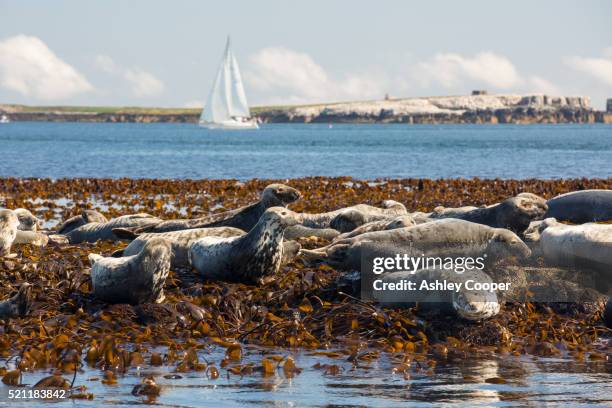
(27, 220)
(77, 221)
(95, 231)
(31, 237)
(515, 213)
(580, 207)
(442, 238)
(8, 231)
(180, 240)
(245, 218)
(132, 279)
(585, 245)
(349, 218)
(18, 305)
(244, 259)
(401, 221)
(468, 303)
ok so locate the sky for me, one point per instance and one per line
(166, 53)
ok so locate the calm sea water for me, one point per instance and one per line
(286, 151)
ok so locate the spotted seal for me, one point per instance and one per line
(466, 302)
(94, 231)
(18, 305)
(245, 218)
(77, 221)
(8, 231)
(349, 218)
(132, 279)
(244, 259)
(515, 213)
(441, 238)
(581, 207)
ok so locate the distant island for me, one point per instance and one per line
(479, 107)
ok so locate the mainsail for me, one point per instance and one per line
(227, 99)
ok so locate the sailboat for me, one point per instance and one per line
(4, 119)
(226, 107)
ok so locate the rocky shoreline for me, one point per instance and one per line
(471, 109)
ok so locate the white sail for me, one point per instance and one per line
(227, 104)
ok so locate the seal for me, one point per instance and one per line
(300, 231)
(515, 213)
(132, 279)
(180, 240)
(580, 207)
(95, 231)
(442, 238)
(348, 218)
(468, 303)
(27, 220)
(401, 221)
(18, 305)
(580, 246)
(8, 231)
(31, 237)
(244, 259)
(77, 221)
(245, 218)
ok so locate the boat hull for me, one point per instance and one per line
(230, 125)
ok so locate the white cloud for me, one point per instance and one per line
(598, 68)
(29, 67)
(486, 68)
(106, 64)
(142, 83)
(295, 77)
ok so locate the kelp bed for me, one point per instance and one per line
(301, 308)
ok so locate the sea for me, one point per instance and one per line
(281, 151)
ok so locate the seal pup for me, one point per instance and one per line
(132, 279)
(515, 213)
(402, 221)
(244, 259)
(360, 213)
(180, 240)
(95, 231)
(77, 221)
(580, 207)
(585, 245)
(27, 220)
(18, 305)
(468, 304)
(8, 231)
(245, 218)
(442, 238)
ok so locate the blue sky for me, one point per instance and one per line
(155, 53)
